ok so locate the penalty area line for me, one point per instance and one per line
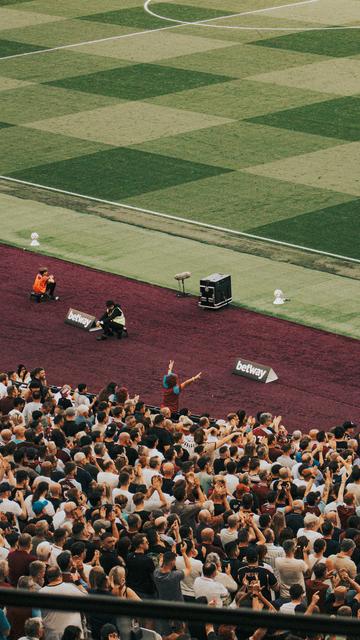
(167, 216)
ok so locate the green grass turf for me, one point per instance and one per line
(137, 17)
(203, 172)
(4, 3)
(314, 227)
(118, 173)
(22, 147)
(338, 118)
(12, 48)
(140, 81)
(133, 17)
(336, 43)
(38, 102)
(57, 65)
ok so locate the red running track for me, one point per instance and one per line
(318, 372)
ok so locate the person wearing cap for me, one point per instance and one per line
(112, 322)
(44, 285)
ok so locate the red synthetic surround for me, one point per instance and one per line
(318, 372)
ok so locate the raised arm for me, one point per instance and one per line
(190, 380)
(340, 497)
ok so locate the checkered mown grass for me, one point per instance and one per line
(252, 130)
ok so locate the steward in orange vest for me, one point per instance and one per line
(44, 284)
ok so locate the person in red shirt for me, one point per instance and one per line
(172, 388)
(44, 285)
(20, 559)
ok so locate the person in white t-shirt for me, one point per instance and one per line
(224, 577)
(109, 476)
(296, 593)
(187, 584)
(122, 489)
(289, 570)
(4, 381)
(231, 532)
(312, 523)
(154, 469)
(16, 507)
(56, 621)
(207, 587)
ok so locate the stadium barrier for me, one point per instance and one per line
(162, 610)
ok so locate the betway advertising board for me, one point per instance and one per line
(254, 371)
(80, 319)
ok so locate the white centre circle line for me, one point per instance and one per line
(204, 23)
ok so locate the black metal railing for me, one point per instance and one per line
(186, 612)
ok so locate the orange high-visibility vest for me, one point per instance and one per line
(40, 282)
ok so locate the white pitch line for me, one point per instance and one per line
(204, 23)
(81, 44)
(168, 216)
(181, 23)
(231, 15)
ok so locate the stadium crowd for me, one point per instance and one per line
(102, 495)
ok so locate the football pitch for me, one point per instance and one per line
(247, 120)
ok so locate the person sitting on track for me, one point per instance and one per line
(112, 322)
(44, 286)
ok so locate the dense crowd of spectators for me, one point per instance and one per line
(101, 495)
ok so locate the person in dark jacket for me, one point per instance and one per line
(112, 322)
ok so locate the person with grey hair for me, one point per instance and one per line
(310, 529)
(224, 577)
(33, 629)
(230, 533)
(37, 571)
(43, 551)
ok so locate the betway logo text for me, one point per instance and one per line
(79, 319)
(250, 369)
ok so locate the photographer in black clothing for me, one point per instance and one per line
(112, 322)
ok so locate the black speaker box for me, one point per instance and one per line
(215, 291)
